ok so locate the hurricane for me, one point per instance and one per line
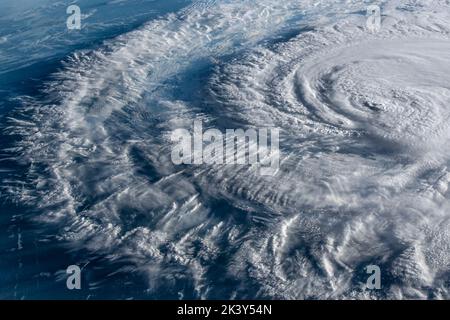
(364, 143)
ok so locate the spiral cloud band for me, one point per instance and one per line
(364, 120)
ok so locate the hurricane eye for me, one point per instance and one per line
(372, 105)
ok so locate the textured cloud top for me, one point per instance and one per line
(364, 131)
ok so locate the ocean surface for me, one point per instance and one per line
(85, 150)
